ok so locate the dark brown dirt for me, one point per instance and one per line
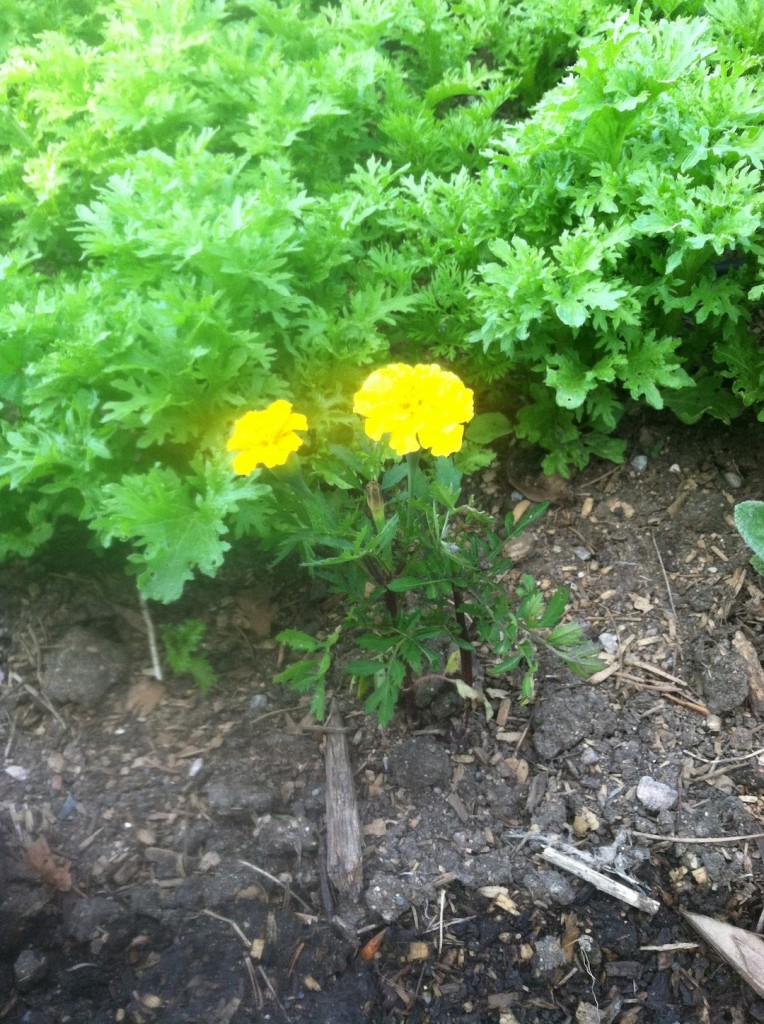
(163, 810)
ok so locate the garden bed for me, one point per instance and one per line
(186, 876)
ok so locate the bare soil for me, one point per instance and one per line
(162, 854)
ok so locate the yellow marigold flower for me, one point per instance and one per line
(266, 438)
(421, 406)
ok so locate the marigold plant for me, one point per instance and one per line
(420, 572)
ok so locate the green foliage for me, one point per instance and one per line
(421, 571)
(618, 239)
(309, 675)
(749, 519)
(182, 644)
(207, 204)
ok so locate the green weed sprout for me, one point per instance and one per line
(420, 570)
(181, 644)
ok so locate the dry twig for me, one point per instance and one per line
(696, 839)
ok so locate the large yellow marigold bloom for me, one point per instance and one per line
(421, 406)
(266, 438)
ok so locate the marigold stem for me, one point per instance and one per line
(465, 656)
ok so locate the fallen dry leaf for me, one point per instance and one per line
(541, 488)
(499, 894)
(370, 950)
(52, 870)
(584, 822)
(755, 672)
(256, 610)
(144, 697)
(570, 935)
(588, 1014)
(631, 1016)
(621, 509)
(375, 828)
(743, 951)
(418, 951)
(520, 547)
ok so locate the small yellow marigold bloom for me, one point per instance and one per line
(421, 406)
(266, 438)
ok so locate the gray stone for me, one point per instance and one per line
(609, 642)
(568, 715)
(639, 462)
(655, 796)
(83, 668)
(420, 764)
(734, 480)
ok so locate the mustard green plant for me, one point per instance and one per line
(749, 520)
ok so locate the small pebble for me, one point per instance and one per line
(655, 796)
(713, 723)
(68, 807)
(581, 552)
(609, 642)
(675, 468)
(734, 480)
(258, 701)
(639, 462)
(589, 756)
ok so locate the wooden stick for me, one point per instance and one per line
(600, 881)
(344, 856)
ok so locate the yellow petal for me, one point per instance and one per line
(442, 440)
(266, 437)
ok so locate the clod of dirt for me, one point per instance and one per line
(83, 668)
(277, 837)
(724, 678)
(704, 512)
(548, 887)
(389, 895)
(92, 917)
(238, 799)
(549, 956)
(31, 966)
(566, 716)
(420, 763)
